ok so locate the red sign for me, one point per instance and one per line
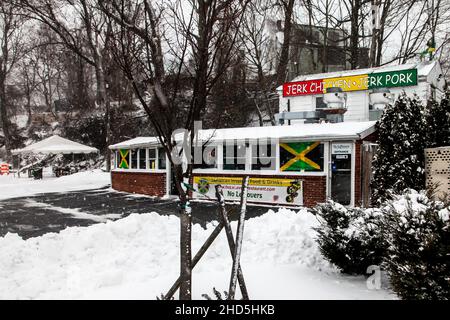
(4, 169)
(302, 88)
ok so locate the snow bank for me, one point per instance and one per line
(13, 187)
(137, 257)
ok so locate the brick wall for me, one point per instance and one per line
(149, 183)
(314, 187)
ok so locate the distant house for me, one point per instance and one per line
(313, 49)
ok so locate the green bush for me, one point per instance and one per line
(417, 259)
(350, 238)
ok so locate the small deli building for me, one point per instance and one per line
(296, 165)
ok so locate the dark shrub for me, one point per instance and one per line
(350, 238)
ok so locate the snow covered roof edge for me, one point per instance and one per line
(313, 131)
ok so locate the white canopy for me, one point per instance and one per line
(55, 145)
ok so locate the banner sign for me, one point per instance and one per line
(264, 190)
(402, 78)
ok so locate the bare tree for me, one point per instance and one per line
(201, 29)
(11, 49)
(93, 27)
(30, 83)
(288, 10)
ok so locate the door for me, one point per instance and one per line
(341, 176)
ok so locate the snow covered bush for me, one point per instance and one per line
(438, 120)
(402, 137)
(350, 238)
(417, 231)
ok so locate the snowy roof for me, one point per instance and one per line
(423, 69)
(56, 144)
(136, 143)
(310, 131)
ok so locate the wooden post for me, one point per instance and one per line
(230, 238)
(239, 237)
(197, 257)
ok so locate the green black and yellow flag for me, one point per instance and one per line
(124, 158)
(301, 156)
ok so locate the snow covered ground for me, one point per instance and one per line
(137, 257)
(13, 187)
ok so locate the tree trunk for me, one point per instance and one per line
(284, 55)
(5, 119)
(185, 238)
(103, 104)
(354, 34)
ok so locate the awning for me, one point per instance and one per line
(56, 145)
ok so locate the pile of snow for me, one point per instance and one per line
(137, 258)
(13, 187)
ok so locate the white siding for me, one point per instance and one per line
(303, 103)
(357, 106)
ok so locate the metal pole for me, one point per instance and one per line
(239, 237)
(230, 238)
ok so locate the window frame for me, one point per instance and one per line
(246, 156)
(138, 162)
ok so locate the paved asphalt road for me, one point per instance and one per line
(51, 212)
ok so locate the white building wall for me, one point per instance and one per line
(357, 106)
(357, 101)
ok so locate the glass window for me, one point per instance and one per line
(161, 158)
(142, 156)
(207, 157)
(320, 104)
(134, 159)
(302, 156)
(263, 156)
(117, 159)
(234, 156)
(152, 159)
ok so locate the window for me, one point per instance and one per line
(152, 159)
(263, 156)
(205, 157)
(302, 156)
(234, 155)
(161, 158)
(320, 104)
(134, 159)
(142, 156)
(123, 159)
(117, 159)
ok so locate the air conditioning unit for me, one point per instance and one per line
(335, 98)
(380, 97)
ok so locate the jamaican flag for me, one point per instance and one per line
(123, 164)
(431, 48)
(301, 156)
